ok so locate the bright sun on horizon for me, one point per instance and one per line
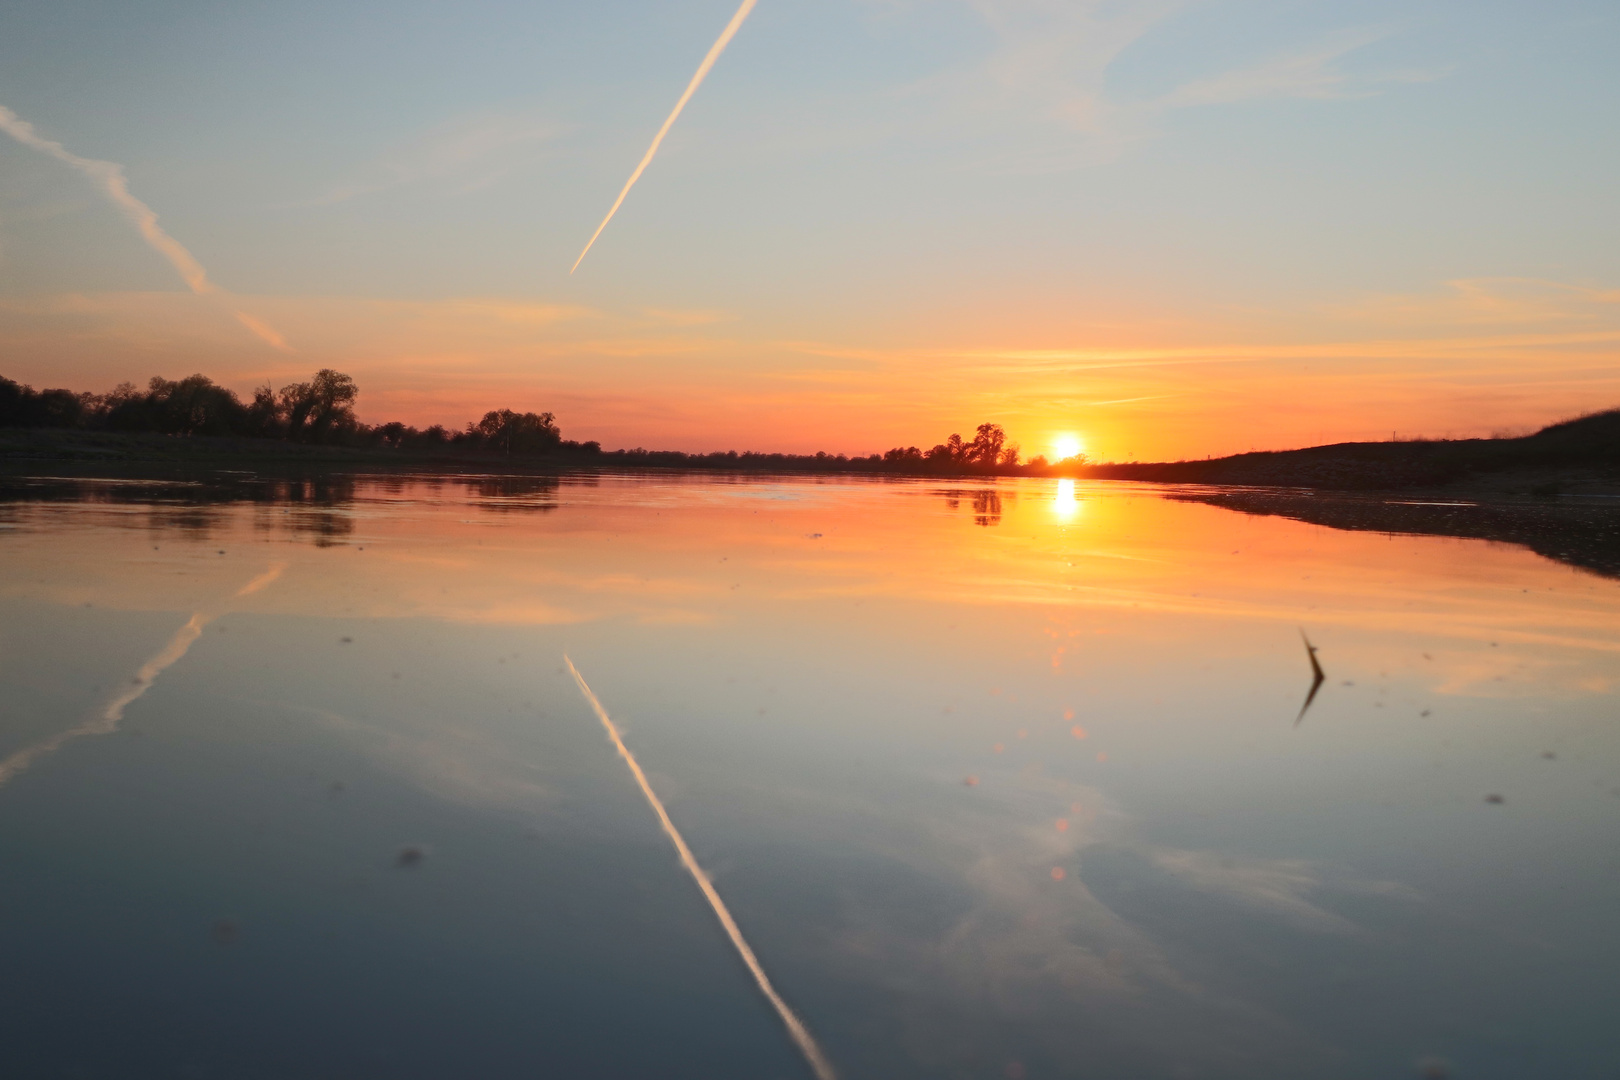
(1067, 446)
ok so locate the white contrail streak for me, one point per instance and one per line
(110, 175)
(108, 721)
(795, 1027)
(703, 70)
(113, 714)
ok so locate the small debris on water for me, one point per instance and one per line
(970, 781)
(1549, 755)
(411, 855)
(1433, 1068)
(1496, 799)
(225, 931)
(346, 640)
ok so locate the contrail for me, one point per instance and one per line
(795, 1027)
(703, 70)
(113, 714)
(110, 175)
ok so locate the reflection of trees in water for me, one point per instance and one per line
(1579, 534)
(198, 522)
(314, 507)
(986, 503)
(319, 506)
(514, 493)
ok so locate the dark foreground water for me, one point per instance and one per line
(996, 781)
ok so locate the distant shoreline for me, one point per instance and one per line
(1576, 457)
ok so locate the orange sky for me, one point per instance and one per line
(1472, 358)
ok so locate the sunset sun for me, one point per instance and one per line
(1067, 446)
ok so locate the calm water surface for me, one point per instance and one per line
(996, 781)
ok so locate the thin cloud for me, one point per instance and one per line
(1312, 73)
(691, 88)
(110, 176)
(692, 317)
(449, 154)
(1039, 102)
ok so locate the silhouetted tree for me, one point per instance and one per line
(985, 449)
(193, 406)
(323, 406)
(23, 406)
(263, 417)
(517, 433)
(949, 452)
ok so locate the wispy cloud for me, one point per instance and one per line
(688, 317)
(1308, 73)
(1040, 95)
(471, 154)
(110, 176)
(1493, 301)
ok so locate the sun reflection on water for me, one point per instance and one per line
(1066, 505)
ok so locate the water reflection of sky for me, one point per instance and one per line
(997, 781)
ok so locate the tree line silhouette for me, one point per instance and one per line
(322, 411)
(318, 411)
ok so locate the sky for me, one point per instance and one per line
(1169, 229)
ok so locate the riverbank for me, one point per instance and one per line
(1579, 458)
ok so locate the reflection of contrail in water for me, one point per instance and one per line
(113, 714)
(800, 1034)
(110, 175)
(262, 580)
(107, 722)
(691, 88)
